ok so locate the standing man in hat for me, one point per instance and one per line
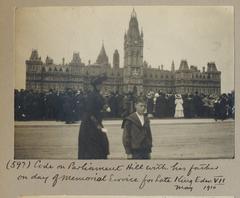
(93, 142)
(137, 136)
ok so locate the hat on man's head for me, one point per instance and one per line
(99, 79)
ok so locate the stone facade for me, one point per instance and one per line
(136, 75)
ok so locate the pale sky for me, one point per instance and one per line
(199, 34)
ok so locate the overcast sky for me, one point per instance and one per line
(199, 34)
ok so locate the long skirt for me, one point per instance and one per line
(179, 114)
(92, 142)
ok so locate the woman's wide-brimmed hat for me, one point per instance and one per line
(178, 96)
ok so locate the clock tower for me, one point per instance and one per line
(133, 56)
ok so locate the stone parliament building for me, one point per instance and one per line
(135, 76)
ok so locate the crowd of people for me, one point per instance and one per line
(69, 105)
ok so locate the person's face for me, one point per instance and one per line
(140, 108)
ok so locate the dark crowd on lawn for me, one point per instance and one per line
(69, 105)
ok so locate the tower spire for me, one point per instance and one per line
(133, 43)
(173, 66)
(102, 58)
(133, 14)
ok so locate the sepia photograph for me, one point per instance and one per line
(124, 82)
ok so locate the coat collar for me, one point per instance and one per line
(134, 118)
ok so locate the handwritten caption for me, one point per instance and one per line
(176, 175)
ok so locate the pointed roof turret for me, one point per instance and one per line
(211, 67)
(49, 61)
(34, 55)
(133, 30)
(184, 65)
(133, 14)
(76, 60)
(102, 58)
(173, 66)
(116, 59)
(34, 58)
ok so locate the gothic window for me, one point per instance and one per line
(161, 76)
(166, 76)
(50, 69)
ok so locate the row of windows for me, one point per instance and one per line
(197, 82)
(158, 76)
(198, 76)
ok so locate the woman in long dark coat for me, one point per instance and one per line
(93, 141)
